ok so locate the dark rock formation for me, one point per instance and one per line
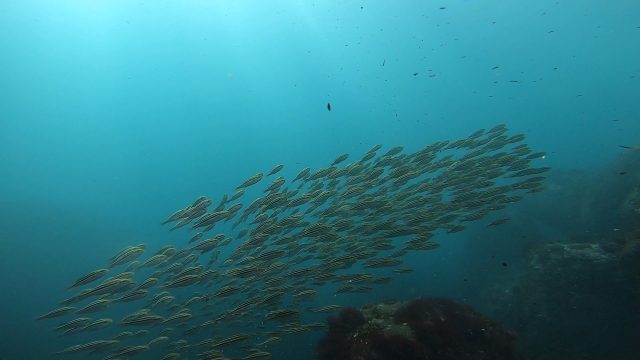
(426, 328)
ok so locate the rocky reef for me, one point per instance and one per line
(576, 300)
(577, 294)
(426, 328)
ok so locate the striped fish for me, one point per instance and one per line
(56, 313)
(250, 181)
(183, 281)
(88, 278)
(230, 340)
(126, 255)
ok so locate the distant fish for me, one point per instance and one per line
(499, 221)
(329, 106)
(256, 355)
(633, 147)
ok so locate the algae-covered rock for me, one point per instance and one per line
(426, 328)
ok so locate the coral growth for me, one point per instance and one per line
(427, 328)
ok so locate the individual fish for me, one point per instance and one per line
(143, 320)
(98, 305)
(250, 181)
(137, 314)
(57, 313)
(393, 151)
(270, 255)
(171, 356)
(348, 289)
(183, 281)
(269, 341)
(276, 184)
(374, 148)
(175, 216)
(242, 272)
(368, 156)
(192, 270)
(141, 333)
(128, 351)
(184, 222)
(210, 218)
(198, 202)
(230, 340)
(226, 291)
(153, 261)
(74, 324)
(133, 265)
(257, 355)
(89, 278)
(98, 324)
(207, 245)
(158, 340)
(276, 169)
(328, 308)
(164, 300)
(93, 346)
(123, 275)
(340, 159)
(178, 318)
(223, 201)
(499, 221)
(314, 230)
(281, 314)
(196, 237)
(126, 255)
(109, 286)
(302, 174)
(630, 147)
(133, 296)
(147, 284)
(382, 262)
(238, 194)
(305, 294)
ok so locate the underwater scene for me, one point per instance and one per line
(321, 180)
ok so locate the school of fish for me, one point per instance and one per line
(344, 228)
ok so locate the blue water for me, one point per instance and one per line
(113, 114)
